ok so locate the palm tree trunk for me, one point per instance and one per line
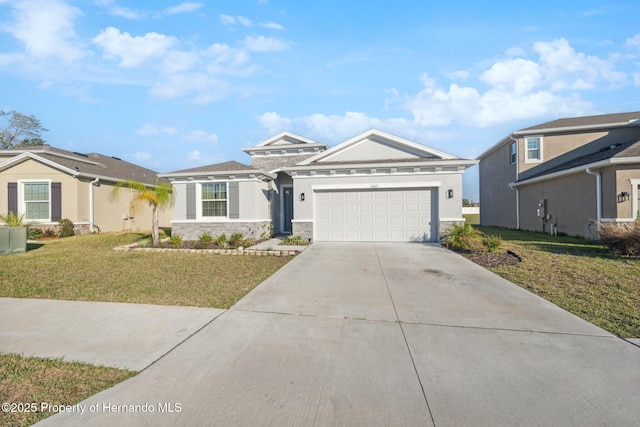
(155, 227)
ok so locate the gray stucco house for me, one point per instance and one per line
(372, 187)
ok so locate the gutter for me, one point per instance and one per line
(91, 207)
(598, 176)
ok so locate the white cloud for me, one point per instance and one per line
(150, 129)
(202, 136)
(265, 44)
(244, 21)
(272, 25)
(46, 28)
(127, 13)
(235, 20)
(198, 158)
(633, 41)
(182, 8)
(200, 88)
(133, 51)
(274, 122)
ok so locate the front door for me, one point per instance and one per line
(287, 197)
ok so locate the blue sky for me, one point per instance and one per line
(171, 85)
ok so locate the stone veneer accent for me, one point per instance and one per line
(303, 229)
(444, 227)
(269, 163)
(192, 230)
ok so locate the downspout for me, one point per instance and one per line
(598, 176)
(515, 140)
(91, 208)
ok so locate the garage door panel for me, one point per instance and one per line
(375, 215)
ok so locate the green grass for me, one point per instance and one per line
(86, 268)
(32, 380)
(578, 275)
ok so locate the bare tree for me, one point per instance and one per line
(20, 130)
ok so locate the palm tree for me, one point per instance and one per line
(157, 197)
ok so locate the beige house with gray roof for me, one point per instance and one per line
(566, 176)
(48, 184)
(372, 187)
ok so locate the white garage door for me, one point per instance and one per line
(375, 215)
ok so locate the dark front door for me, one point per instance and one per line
(287, 194)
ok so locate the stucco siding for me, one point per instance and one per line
(570, 200)
(497, 200)
(623, 176)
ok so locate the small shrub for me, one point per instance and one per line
(144, 243)
(13, 220)
(462, 237)
(295, 240)
(66, 228)
(176, 240)
(205, 237)
(34, 233)
(491, 243)
(622, 240)
(49, 233)
(236, 239)
(221, 241)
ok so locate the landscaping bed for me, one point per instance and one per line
(579, 275)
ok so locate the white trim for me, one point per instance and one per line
(245, 175)
(634, 201)
(380, 134)
(540, 159)
(394, 185)
(216, 219)
(22, 206)
(270, 141)
(614, 220)
(451, 219)
(27, 155)
(199, 200)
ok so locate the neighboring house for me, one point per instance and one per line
(373, 187)
(566, 176)
(48, 184)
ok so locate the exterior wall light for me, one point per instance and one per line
(449, 194)
(623, 197)
(302, 197)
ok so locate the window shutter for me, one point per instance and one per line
(234, 200)
(56, 201)
(12, 190)
(191, 201)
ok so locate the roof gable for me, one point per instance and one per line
(285, 138)
(375, 145)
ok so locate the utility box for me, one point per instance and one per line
(13, 240)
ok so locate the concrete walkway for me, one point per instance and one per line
(382, 334)
(119, 335)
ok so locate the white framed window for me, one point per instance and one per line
(513, 153)
(533, 149)
(213, 199)
(35, 200)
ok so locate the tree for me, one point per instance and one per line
(466, 203)
(20, 130)
(157, 197)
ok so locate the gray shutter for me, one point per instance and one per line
(12, 190)
(234, 200)
(191, 201)
(56, 201)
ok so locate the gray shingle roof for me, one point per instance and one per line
(95, 164)
(618, 151)
(603, 119)
(218, 167)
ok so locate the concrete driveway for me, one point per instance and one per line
(382, 334)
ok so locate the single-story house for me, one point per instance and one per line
(47, 184)
(567, 175)
(372, 187)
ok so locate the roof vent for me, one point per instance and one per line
(80, 154)
(117, 158)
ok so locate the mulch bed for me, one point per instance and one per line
(492, 259)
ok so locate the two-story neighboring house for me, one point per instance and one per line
(566, 176)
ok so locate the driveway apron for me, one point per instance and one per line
(382, 334)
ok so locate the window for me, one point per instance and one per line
(214, 199)
(533, 149)
(513, 153)
(36, 200)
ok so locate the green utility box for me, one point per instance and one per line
(13, 240)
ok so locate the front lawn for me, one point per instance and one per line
(578, 275)
(86, 268)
